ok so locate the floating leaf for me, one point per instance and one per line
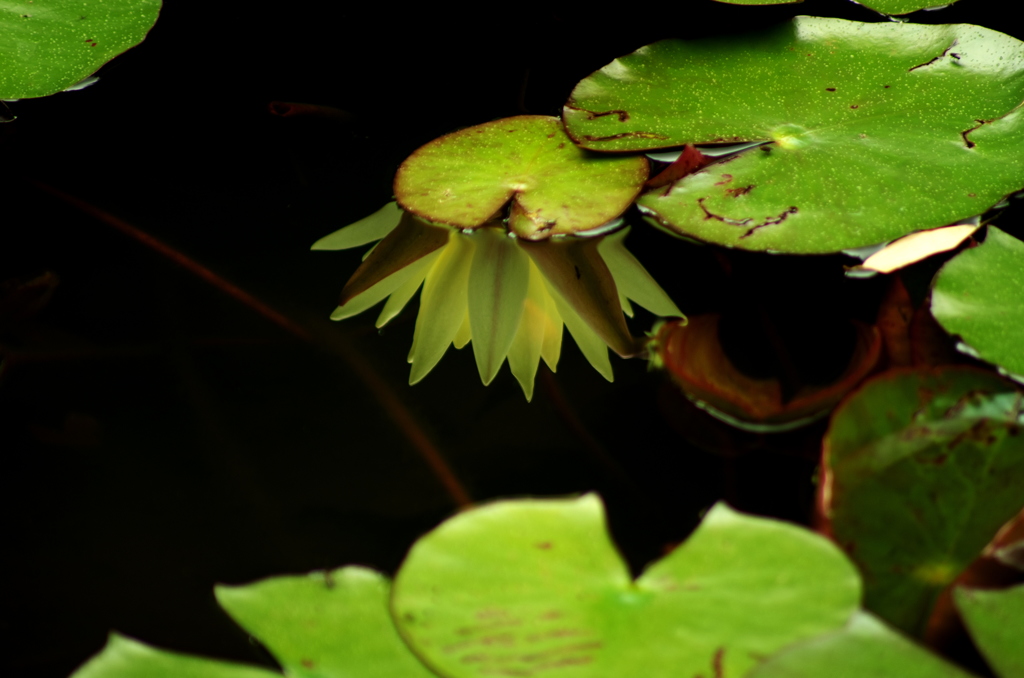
(921, 469)
(693, 356)
(126, 658)
(49, 47)
(995, 620)
(979, 295)
(866, 647)
(322, 625)
(897, 7)
(877, 130)
(330, 624)
(521, 587)
(466, 178)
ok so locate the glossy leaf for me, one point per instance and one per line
(523, 587)
(466, 178)
(897, 7)
(921, 469)
(322, 625)
(979, 295)
(995, 620)
(48, 47)
(865, 648)
(325, 624)
(126, 658)
(877, 130)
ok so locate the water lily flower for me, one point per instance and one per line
(505, 283)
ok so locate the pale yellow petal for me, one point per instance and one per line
(551, 349)
(576, 271)
(498, 281)
(443, 305)
(593, 347)
(359, 303)
(368, 229)
(404, 292)
(465, 333)
(524, 353)
(632, 279)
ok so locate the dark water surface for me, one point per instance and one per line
(158, 437)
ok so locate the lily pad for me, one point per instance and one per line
(325, 624)
(521, 587)
(898, 7)
(864, 648)
(921, 469)
(877, 130)
(979, 295)
(126, 658)
(995, 620)
(321, 625)
(466, 178)
(46, 47)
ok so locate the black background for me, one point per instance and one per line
(157, 437)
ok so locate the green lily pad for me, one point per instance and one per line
(921, 469)
(516, 588)
(126, 658)
(321, 625)
(866, 648)
(979, 295)
(995, 620)
(897, 7)
(325, 624)
(876, 130)
(47, 47)
(466, 178)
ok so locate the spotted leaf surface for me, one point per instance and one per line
(536, 588)
(468, 177)
(921, 469)
(46, 47)
(875, 130)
